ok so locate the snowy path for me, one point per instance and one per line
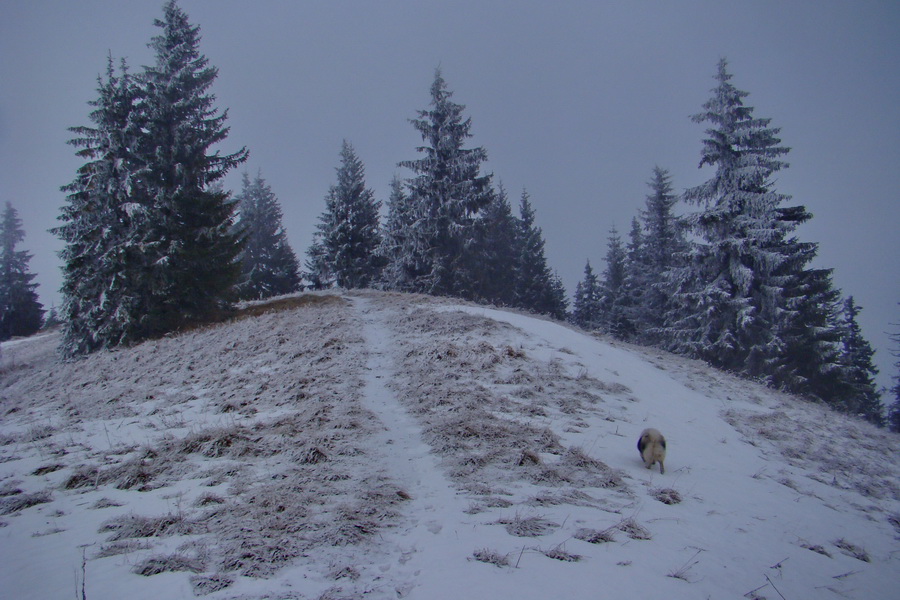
(429, 538)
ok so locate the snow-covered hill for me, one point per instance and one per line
(374, 445)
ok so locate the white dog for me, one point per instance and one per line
(652, 446)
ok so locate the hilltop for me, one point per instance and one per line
(350, 445)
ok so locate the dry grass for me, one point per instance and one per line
(491, 557)
(16, 502)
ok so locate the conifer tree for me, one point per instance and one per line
(446, 193)
(809, 330)
(859, 394)
(191, 247)
(664, 244)
(534, 287)
(495, 252)
(104, 262)
(586, 306)
(348, 237)
(396, 252)
(268, 264)
(637, 280)
(20, 312)
(558, 303)
(729, 294)
(893, 417)
(613, 297)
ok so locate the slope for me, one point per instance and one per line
(384, 445)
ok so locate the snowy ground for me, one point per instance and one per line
(375, 445)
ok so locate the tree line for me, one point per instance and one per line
(153, 242)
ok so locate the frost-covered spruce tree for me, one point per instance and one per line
(446, 193)
(20, 311)
(810, 331)
(729, 294)
(348, 237)
(103, 222)
(664, 242)
(534, 287)
(191, 246)
(397, 254)
(637, 281)
(859, 394)
(495, 250)
(268, 264)
(614, 309)
(586, 303)
(893, 415)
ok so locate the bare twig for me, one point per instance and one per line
(775, 588)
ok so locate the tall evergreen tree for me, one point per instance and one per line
(637, 281)
(586, 305)
(614, 307)
(495, 251)
(893, 416)
(859, 395)
(20, 311)
(558, 302)
(397, 253)
(268, 264)
(809, 330)
(730, 293)
(664, 244)
(348, 237)
(104, 261)
(534, 288)
(447, 192)
(191, 246)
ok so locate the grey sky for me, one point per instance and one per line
(576, 101)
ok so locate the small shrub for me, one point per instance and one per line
(491, 557)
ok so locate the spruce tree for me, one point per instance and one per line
(664, 245)
(495, 250)
(105, 267)
(558, 307)
(809, 330)
(859, 394)
(893, 416)
(586, 304)
(346, 243)
(20, 312)
(614, 309)
(396, 252)
(534, 287)
(730, 292)
(268, 264)
(191, 247)
(446, 193)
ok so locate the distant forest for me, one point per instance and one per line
(153, 243)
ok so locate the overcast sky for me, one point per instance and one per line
(575, 101)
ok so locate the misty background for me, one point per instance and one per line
(575, 101)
